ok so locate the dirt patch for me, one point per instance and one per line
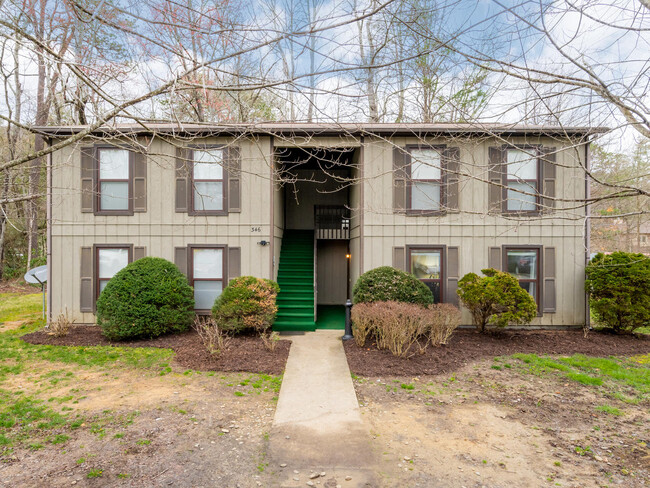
(244, 353)
(468, 346)
(12, 325)
(502, 428)
(140, 429)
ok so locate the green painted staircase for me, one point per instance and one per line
(296, 279)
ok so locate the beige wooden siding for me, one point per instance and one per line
(472, 230)
(160, 228)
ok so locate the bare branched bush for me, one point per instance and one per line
(270, 340)
(363, 322)
(404, 328)
(61, 325)
(213, 338)
(443, 319)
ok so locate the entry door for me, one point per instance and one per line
(332, 272)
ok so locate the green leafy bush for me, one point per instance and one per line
(385, 284)
(619, 290)
(246, 303)
(402, 327)
(148, 298)
(496, 299)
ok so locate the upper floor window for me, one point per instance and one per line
(208, 195)
(114, 180)
(109, 261)
(426, 180)
(426, 265)
(522, 180)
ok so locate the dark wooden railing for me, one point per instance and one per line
(332, 222)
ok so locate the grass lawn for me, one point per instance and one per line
(122, 415)
(25, 417)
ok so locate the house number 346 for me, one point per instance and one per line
(256, 229)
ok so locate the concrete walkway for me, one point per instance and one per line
(317, 425)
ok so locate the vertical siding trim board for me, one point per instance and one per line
(272, 216)
(362, 155)
(443, 264)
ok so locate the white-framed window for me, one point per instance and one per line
(207, 275)
(522, 175)
(208, 182)
(114, 180)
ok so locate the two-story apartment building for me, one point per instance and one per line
(315, 205)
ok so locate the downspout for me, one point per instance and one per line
(587, 229)
(48, 234)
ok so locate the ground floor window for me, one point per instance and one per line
(425, 263)
(523, 264)
(207, 271)
(109, 261)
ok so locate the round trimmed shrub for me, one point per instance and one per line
(496, 299)
(619, 290)
(148, 298)
(246, 303)
(386, 284)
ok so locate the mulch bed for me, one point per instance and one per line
(469, 346)
(244, 352)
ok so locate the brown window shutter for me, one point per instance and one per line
(400, 177)
(549, 297)
(496, 162)
(452, 167)
(494, 258)
(399, 258)
(234, 262)
(87, 299)
(233, 158)
(139, 252)
(88, 175)
(549, 169)
(139, 181)
(182, 179)
(453, 273)
(180, 259)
